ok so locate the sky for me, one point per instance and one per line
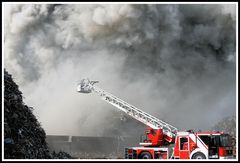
(176, 62)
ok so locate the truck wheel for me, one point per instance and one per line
(145, 155)
(198, 155)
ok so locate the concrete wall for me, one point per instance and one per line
(91, 147)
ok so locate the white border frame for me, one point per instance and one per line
(3, 3)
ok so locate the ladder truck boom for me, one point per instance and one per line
(87, 86)
(159, 134)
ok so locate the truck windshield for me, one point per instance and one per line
(225, 140)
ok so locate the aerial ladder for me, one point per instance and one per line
(159, 135)
(166, 132)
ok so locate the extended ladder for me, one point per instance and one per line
(87, 86)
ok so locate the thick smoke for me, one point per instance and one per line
(176, 62)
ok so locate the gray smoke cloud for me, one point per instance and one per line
(176, 62)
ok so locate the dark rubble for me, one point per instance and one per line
(24, 138)
(61, 155)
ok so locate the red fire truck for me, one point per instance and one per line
(162, 140)
(185, 145)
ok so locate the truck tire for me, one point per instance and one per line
(198, 155)
(145, 155)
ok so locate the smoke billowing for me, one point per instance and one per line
(176, 62)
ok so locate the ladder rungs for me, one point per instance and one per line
(135, 112)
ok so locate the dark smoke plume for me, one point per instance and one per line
(176, 62)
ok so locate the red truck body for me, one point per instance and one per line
(186, 145)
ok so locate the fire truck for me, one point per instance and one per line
(162, 140)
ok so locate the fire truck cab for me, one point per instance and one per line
(202, 145)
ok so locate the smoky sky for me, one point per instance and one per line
(176, 62)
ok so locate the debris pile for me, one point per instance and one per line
(24, 138)
(60, 155)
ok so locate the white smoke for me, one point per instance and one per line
(176, 62)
